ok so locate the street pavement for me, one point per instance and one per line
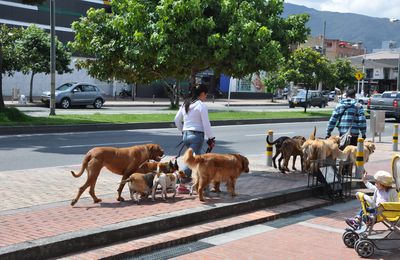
(35, 202)
(35, 210)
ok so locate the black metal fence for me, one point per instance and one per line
(335, 177)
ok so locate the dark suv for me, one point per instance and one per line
(314, 98)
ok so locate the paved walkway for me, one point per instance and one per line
(35, 202)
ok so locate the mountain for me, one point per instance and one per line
(349, 26)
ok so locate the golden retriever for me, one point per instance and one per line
(350, 152)
(316, 150)
(211, 167)
(291, 147)
(121, 161)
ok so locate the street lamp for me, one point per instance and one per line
(394, 20)
(52, 60)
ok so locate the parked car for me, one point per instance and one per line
(389, 102)
(314, 98)
(76, 94)
(362, 99)
(332, 95)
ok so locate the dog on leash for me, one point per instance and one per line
(350, 152)
(121, 161)
(166, 167)
(278, 148)
(166, 181)
(217, 168)
(291, 147)
(140, 185)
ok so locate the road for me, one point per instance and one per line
(47, 150)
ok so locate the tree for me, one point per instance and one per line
(274, 80)
(36, 57)
(141, 41)
(308, 67)
(9, 55)
(343, 73)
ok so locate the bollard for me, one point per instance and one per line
(360, 158)
(269, 148)
(395, 137)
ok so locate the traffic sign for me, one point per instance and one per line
(359, 75)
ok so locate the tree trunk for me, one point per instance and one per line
(305, 105)
(133, 86)
(31, 88)
(2, 106)
(177, 91)
(193, 78)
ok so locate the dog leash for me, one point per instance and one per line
(180, 150)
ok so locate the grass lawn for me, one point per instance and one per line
(12, 116)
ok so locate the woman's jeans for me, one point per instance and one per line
(194, 140)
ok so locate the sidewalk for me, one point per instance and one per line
(37, 220)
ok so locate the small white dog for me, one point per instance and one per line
(166, 181)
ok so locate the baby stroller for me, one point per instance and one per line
(365, 239)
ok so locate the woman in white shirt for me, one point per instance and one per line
(192, 120)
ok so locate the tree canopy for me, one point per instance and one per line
(307, 66)
(36, 55)
(10, 55)
(142, 41)
(343, 73)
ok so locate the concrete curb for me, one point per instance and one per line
(83, 240)
(15, 130)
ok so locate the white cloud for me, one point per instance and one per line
(375, 8)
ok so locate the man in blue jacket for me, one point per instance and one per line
(348, 113)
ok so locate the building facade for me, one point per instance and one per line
(334, 48)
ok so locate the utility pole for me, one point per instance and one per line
(398, 74)
(52, 59)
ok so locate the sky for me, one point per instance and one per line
(375, 8)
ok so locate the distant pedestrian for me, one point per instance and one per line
(192, 120)
(348, 114)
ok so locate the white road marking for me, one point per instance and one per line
(104, 144)
(287, 133)
(322, 227)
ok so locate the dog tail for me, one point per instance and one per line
(125, 181)
(84, 166)
(269, 142)
(189, 158)
(312, 136)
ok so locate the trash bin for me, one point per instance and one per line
(377, 123)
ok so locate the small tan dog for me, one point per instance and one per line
(166, 167)
(166, 181)
(140, 185)
(350, 152)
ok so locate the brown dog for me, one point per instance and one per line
(291, 147)
(140, 185)
(121, 161)
(211, 167)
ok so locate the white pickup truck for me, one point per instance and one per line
(389, 102)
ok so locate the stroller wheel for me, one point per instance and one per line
(350, 238)
(365, 248)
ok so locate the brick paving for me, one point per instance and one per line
(37, 200)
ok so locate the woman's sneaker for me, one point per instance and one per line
(182, 189)
(353, 223)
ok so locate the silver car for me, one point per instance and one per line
(76, 94)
